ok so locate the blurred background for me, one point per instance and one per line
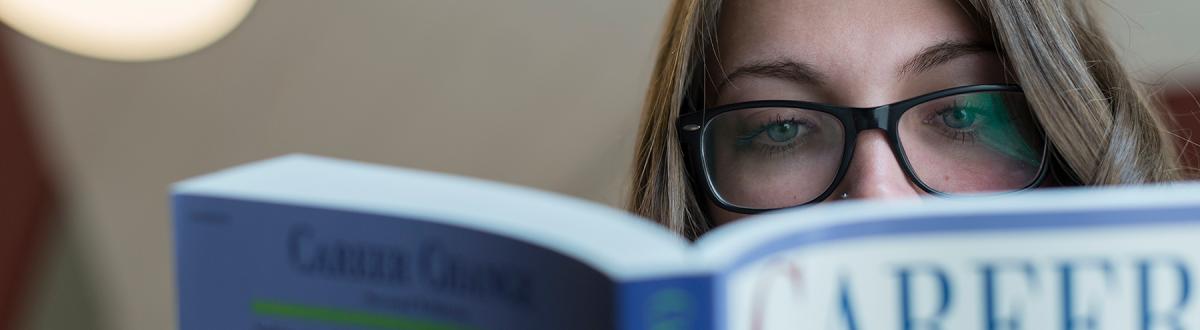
(542, 93)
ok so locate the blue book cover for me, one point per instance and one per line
(306, 242)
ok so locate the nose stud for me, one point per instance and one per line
(844, 196)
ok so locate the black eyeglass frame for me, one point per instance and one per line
(691, 128)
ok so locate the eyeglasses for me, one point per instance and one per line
(764, 155)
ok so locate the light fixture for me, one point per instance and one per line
(125, 30)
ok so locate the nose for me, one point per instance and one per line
(875, 172)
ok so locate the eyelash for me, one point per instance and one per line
(747, 139)
(964, 136)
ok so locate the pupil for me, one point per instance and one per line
(782, 132)
(959, 119)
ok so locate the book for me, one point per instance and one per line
(306, 242)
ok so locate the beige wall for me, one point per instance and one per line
(1157, 39)
(542, 93)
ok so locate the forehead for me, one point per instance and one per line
(841, 37)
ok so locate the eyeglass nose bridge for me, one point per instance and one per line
(871, 118)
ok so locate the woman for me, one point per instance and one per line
(758, 105)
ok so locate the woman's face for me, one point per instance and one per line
(854, 53)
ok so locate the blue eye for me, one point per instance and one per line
(775, 136)
(783, 132)
(960, 118)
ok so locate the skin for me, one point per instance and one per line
(856, 53)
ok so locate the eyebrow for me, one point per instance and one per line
(941, 53)
(804, 73)
(786, 69)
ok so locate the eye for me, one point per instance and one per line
(958, 118)
(783, 132)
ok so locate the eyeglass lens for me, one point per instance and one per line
(765, 158)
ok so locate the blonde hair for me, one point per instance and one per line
(1103, 126)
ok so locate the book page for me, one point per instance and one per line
(1117, 258)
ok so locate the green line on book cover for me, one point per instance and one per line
(345, 317)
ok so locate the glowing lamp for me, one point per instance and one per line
(125, 30)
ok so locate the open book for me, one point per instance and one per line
(304, 242)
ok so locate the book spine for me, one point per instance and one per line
(683, 302)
